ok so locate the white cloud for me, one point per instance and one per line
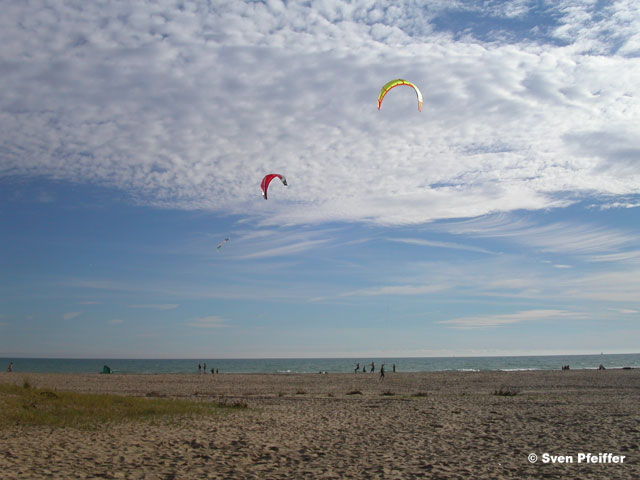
(187, 106)
(396, 290)
(116, 321)
(437, 244)
(212, 321)
(558, 237)
(93, 284)
(289, 249)
(601, 28)
(611, 286)
(279, 242)
(71, 315)
(517, 278)
(481, 321)
(157, 306)
(46, 197)
(609, 206)
(632, 256)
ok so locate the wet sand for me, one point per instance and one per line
(408, 426)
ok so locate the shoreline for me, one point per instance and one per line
(334, 384)
(331, 365)
(290, 374)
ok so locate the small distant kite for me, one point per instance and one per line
(222, 243)
(267, 180)
(394, 83)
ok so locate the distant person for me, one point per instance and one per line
(373, 367)
(212, 371)
(217, 371)
(10, 369)
(204, 368)
(394, 368)
(199, 368)
(601, 367)
(381, 372)
(357, 368)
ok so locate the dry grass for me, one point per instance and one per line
(505, 391)
(27, 405)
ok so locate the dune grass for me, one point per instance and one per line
(505, 391)
(26, 405)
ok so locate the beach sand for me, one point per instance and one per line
(409, 426)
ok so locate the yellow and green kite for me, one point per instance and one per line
(394, 83)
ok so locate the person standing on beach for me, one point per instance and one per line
(373, 367)
(204, 368)
(381, 373)
(199, 368)
(357, 368)
(10, 369)
(394, 368)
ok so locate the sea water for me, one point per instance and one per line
(316, 365)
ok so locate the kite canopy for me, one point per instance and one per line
(394, 83)
(267, 180)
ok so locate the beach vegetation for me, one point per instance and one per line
(28, 405)
(238, 403)
(504, 391)
(156, 394)
(354, 392)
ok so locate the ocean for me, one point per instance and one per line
(316, 365)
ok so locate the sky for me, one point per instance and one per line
(503, 219)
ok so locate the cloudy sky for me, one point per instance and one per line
(502, 219)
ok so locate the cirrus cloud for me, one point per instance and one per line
(482, 321)
(212, 321)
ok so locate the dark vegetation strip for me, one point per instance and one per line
(26, 405)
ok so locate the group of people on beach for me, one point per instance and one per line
(203, 370)
(373, 369)
(600, 367)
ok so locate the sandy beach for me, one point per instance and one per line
(408, 426)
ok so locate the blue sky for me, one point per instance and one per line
(503, 219)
